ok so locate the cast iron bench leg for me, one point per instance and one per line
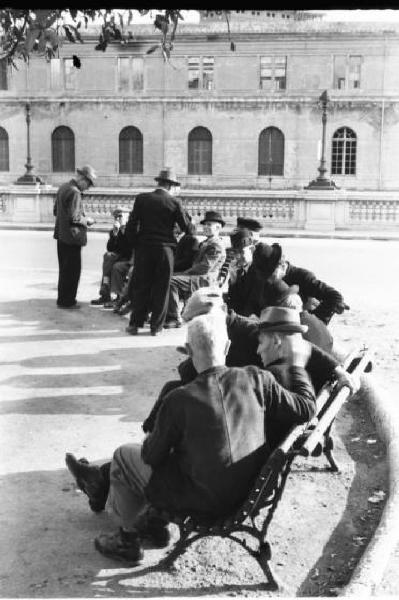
(263, 556)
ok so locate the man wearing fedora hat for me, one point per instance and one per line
(115, 259)
(70, 231)
(270, 261)
(150, 229)
(245, 282)
(204, 270)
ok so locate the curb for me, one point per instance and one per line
(370, 569)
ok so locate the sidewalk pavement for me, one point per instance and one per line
(370, 234)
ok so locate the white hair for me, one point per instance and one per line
(207, 334)
(293, 301)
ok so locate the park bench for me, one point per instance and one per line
(256, 513)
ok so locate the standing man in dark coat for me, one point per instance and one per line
(70, 231)
(150, 229)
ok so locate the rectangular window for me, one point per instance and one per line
(347, 72)
(207, 72)
(193, 72)
(354, 71)
(55, 74)
(280, 67)
(3, 74)
(265, 72)
(130, 73)
(69, 74)
(200, 72)
(273, 73)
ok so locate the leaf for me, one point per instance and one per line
(130, 17)
(31, 37)
(121, 20)
(76, 61)
(152, 49)
(68, 34)
(73, 12)
(86, 21)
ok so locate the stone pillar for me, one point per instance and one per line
(26, 203)
(320, 209)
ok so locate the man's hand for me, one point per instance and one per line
(296, 350)
(116, 227)
(347, 379)
(90, 221)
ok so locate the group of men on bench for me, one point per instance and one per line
(245, 382)
(163, 272)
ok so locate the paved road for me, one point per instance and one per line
(364, 271)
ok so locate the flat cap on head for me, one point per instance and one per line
(251, 224)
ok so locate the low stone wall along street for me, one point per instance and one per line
(311, 210)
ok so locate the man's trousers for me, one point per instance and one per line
(69, 267)
(153, 268)
(129, 476)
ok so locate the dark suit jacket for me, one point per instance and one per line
(153, 217)
(70, 221)
(187, 248)
(311, 287)
(244, 295)
(209, 440)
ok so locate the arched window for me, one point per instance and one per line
(200, 151)
(130, 150)
(271, 152)
(4, 158)
(343, 156)
(63, 149)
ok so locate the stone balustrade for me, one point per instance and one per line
(284, 209)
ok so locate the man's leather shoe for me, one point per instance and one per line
(90, 480)
(124, 309)
(75, 306)
(100, 301)
(155, 331)
(132, 329)
(155, 530)
(173, 323)
(121, 545)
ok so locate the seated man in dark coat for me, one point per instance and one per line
(245, 282)
(278, 293)
(272, 265)
(204, 271)
(209, 441)
(119, 250)
(187, 248)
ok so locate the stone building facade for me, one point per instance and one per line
(244, 119)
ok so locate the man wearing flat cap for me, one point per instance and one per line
(70, 231)
(150, 230)
(204, 271)
(252, 224)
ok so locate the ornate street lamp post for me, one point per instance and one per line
(28, 178)
(322, 182)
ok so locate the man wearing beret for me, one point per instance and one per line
(119, 250)
(150, 229)
(204, 271)
(70, 231)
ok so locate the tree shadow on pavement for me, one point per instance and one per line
(359, 519)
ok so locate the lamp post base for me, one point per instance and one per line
(321, 183)
(28, 179)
